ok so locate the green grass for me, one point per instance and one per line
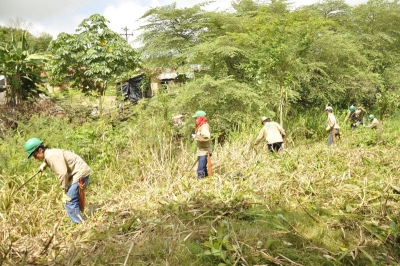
(309, 205)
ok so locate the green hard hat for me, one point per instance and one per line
(199, 113)
(370, 117)
(352, 108)
(31, 145)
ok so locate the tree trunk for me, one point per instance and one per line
(281, 103)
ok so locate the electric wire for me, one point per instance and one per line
(74, 7)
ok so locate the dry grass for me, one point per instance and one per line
(309, 205)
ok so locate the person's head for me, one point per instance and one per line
(199, 113)
(371, 116)
(352, 108)
(329, 109)
(35, 147)
(264, 120)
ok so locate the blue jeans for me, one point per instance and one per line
(330, 139)
(202, 167)
(72, 207)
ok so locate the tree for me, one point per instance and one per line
(170, 33)
(273, 43)
(93, 58)
(36, 44)
(227, 102)
(21, 69)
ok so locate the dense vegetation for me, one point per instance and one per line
(309, 205)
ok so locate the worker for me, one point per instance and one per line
(72, 172)
(355, 115)
(273, 133)
(373, 122)
(203, 138)
(332, 126)
(177, 120)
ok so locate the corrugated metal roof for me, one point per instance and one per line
(168, 75)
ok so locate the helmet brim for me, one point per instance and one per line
(30, 153)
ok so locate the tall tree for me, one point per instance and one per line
(93, 58)
(376, 26)
(21, 69)
(169, 33)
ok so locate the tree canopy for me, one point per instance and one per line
(91, 58)
(325, 53)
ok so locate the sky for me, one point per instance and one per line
(56, 16)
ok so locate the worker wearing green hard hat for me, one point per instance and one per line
(31, 145)
(373, 122)
(72, 171)
(355, 115)
(202, 136)
(199, 113)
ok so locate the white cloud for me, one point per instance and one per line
(56, 16)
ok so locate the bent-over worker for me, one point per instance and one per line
(273, 133)
(70, 169)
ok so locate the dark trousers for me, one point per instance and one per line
(355, 121)
(275, 147)
(202, 167)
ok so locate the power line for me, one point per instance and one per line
(74, 7)
(86, 7)
(126, 33)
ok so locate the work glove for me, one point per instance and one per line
(42, 167)
(65, 198)
(192, 136)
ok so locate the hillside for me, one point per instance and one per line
(309, 205)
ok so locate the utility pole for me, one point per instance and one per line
(126, 33)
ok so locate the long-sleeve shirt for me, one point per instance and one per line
(374, 124)
(332, 122)
(203, 138)
(356, 115)
(68, 166)
(272, 132)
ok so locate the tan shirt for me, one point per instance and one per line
(68, 166)
(332, 122)
(272, 132)
(203, 138)
(374, 124)
(357, 113)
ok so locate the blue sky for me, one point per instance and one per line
(56, 16)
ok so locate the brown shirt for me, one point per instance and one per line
(203, 138)
(68, 166)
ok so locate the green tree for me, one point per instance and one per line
(170, 33)
(376, 26)
(272, 42)
(227, 102)
(36, 44)
(93, 58)
(21, 69)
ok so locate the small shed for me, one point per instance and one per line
(132, 89)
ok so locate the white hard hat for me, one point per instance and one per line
(177, 116)
(263, 119)
(329, 108)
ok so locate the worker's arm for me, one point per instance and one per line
(347, 117)
(261, 136)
